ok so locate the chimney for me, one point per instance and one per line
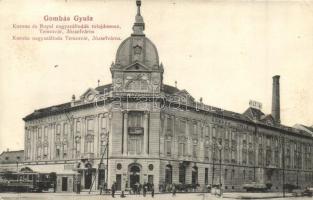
(276, 99)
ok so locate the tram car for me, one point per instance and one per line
(27, 181)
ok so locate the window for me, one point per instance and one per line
(206, 152)
(214, 132)
(6, 158)
(78, 127)
(225, 174)
(39, 134)
(195, 150)
(45, 151)
(89, 145)
(58, 132)
(226, 154)
(206, 176)
(182, 174)
(195, 128)
(64, 150)
(251, 157)
(194, 175)
(46, 133)
(250, 174)
(65, 130)
(244, 156)
(39, 152)
(57, 151)
(135, 119)
(102, 146)
(103, 122)
(268, 156)
(181, 149)
(207, 131)
(182, 127)
(168, 174)
(168, 145)
(260, 155)
(232, 174)
(90, 126)
(169, 126)
(134, 146)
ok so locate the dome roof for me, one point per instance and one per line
(137, 48)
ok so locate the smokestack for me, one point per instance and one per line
(276, 99)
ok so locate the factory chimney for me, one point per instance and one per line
(276, 99)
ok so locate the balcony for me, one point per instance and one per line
(135, 130)
(88, 156)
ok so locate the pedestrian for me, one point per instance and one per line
(100, 188)
(105, 187)
(152, 190)
(144, 189)
(139, 188)
(113, 189)
(78, 187)
(173, 190)
(134, 189)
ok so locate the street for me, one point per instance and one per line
(73, 196)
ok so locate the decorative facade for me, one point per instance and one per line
(138, 129)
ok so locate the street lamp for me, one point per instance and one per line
(220, 147)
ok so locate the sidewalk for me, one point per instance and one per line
(265, 195)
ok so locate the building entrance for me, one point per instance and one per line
(64, 184)
(88, 178)
(134, 177)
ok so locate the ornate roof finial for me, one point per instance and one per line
(139, 25)
(138, 3)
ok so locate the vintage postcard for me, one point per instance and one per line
(156, 99)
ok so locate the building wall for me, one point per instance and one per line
(249, 153)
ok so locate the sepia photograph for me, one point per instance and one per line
(143, 99)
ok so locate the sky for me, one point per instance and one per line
(223, 51)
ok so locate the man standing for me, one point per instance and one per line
(173, 190)
(144, 189)
(113, 189)
(152, 190)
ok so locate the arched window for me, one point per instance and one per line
(168, 174)
(194, 174)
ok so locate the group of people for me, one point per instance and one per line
(136, 189)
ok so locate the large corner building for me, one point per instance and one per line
(147, 131)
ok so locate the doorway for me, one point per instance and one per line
(118, 182)
(88, 178)
(134, 176)
(64, 184)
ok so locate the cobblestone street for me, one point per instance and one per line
(179, 196)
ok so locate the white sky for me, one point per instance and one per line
(223, 51)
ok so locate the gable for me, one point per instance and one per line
(136, 67)
(89, 94)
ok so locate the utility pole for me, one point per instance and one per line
(298, 167)
(220, 147)
(283, 160)
(101, 162)
(213, 146)
(70, 118)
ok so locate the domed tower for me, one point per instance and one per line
(136, 68)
